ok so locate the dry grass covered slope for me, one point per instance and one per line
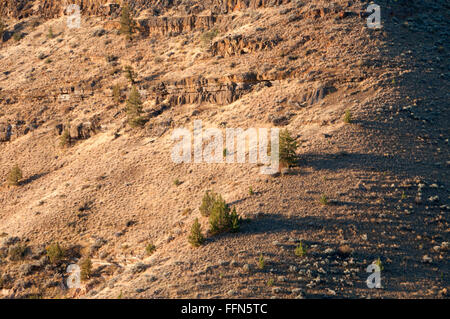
(375, 187)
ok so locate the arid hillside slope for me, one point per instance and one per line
(367, 107)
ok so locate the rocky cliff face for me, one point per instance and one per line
(51, 8)
(47, 8)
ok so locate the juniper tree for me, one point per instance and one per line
(208, 201)
(150, 249)
(126, 22)
(86, 268)
(261, 262)
(234, 221)
(222, 219)
(55, 253)
(50, 34)
(134, 108)
(14, 176)
(130, 74)
(196, 238)
(288, 147)
(348, 117)
(65, 139)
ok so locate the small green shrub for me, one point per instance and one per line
(14, 176)
(130, 75)
(348, 117)
(127, 23)
(250, 191)
(208, 201)
(324, 200)
(235, 221)
(50, 33)
(261, 262)
(208, 36)
(17, 36)
(288, 148)
(150, 249)
(55, 253)
(379, 264)
(177, 182)
(221, 220)
(300, 250)
(196, 238)
(65, 140)
(86, 268)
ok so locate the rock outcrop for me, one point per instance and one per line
(238, 44)
(80, 129)
(176, 25)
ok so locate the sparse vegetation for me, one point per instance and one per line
(14, 176)
(158, 60)
(288, 148)
(186, 212)
(235, 221)
(208, 201)
(270, 282)
(196, 238)
(86, 268)
(222, 219)
(130, 75)
(379, 264)
(150, 249)
(250, 191)
(65, 140)
(300, 250)
(261, 262)
(17, 252)
(17, 36)
(127, 22)
(348, 117)
(208, 36)
(324, 200)
(177, 182)
(134, 108)
(50, 33)
(55, 253)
